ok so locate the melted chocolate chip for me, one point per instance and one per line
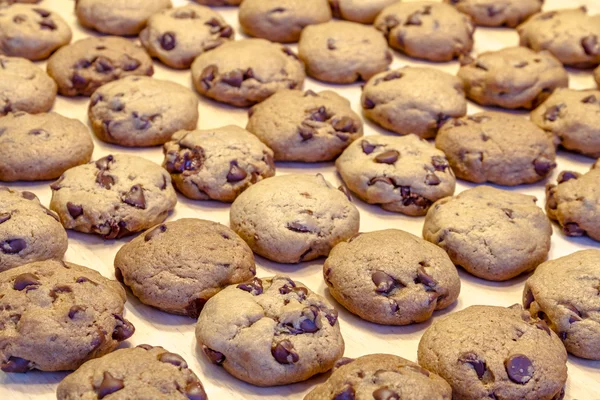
(214, 356)
(195, 391)
(123, 330)
(42, 12)
(109, 385)
(15, 364)
(254, 286)
(552, 113)
(519, 368)
(174, 359)
(104, 162)
(284, 352)
(74, 310)
(297, 227)
(186, 160)
(13, 246)
(236, 173)
(432, 179)
(573, 229)
(168, 41)
(145, 346)
(131, 64)
(424, 278)
(413, 19)
(528, 298)
(74, 210)
(344, 124)
(103, 65)
(473, 360)
(543, 326)
(208, 76)
(194, 307)
(4, 217)
(367, 147)
(155, 232)
(384, 282)
(590, 45)
(591, 99)
(387, 157)
(565, 176)
(384, 393)
(543, 165)
(440, 163)
(233, 78)
(135, 197)
(368, 104)
(28, 195)
(347, 394)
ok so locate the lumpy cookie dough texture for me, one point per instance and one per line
(179, 265)
(177, 36)
(403, 174)
(363, 11)
(293, 218)
(570, 34)
(514, 77)
(246, 72)
(142, 111)
(486, 352)
(118, 17)
(493, 234)
(144, 372)
(29, 232)
(497, 147)
(413, 100)
(31, 31)
(597, 76)
(57, 315)
(82, 67)
(573, 118)
(381, 376)
(113, 197)
(564, 293)
(271, 331)
(217, 164)
(427, 30)
(214, 3)
(574, 202)
(305, 126)
(508, 13)
(343, 52)
(35, 147)
(24, 87)
(281, 20)
(391, 277)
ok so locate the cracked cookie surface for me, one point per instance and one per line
(305, 126)
(495, 352)
(381, 377)
(177, 266)
(493, 234)
(113, 197)
(402, 174)
(141, 111)
(508, 13)
(83, 66)
(363, 11)
(427, 30)
(565, 293)
(514, 77)
(497, 147)
(57, 315)
(413, 100)
(29, 232)
(177, 36)
(293, 218)
(36, 147)
(143, 372)
(270, 331)
(217, 164)
(245, 72)
(391, 277)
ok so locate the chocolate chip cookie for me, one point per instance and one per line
(276, 323)
(141, 111)
(117, 17)
(82, 67)
(144, 372)
(28, 231)
(113, 197)
(508, 13)
(514, 77)
(413, 100)
(403, 174)
(573, 117)
(391, 277)
(574, 202)
(381, 376)
(246, 72)
(281, 20)
(495, 352)
(293, 218)
(363, 11)
(36, 147)
(179, 35)
(57, 315)
(24, 87)
(343, 52)
(179, 265)
(564, 293)
(570, 34)
(427, 30)
(217, 164)
(31, 32)
(305, 126)
(495, 147)
(493, 234)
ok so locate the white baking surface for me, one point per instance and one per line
(176, 333)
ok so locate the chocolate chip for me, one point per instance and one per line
(519, 368)
(440, 163)
(155, 232)
(331, 44)
(367, 147)
(306, 132)
(254, 287)
(590, 45)
(297, 227)
(186, 160)
(479, 65)
(236, 173)
(123, 330)
(384, 393)
(341, 362)
(552, 113)
(78, 81)
(424, 278)
(393, 75)
(42, 12)
(146, 347)
(473, 360)
(4, 217)
(432, 180)
(214, 356)
(290, 53)
(575, 313)
(195, 391)
(16, 364)
(543, 326)
(39, 132)
(528, 298)
(310, 93)
(233, 78)
(28, 195)
(284, 352)
(387, 157)
(384, 282)
(74, 209)
(226, 32)
(344, 124)
(309, 326)
(83, 279)
(174, 359)
(135, 197)
(74, 310)
(331, 315)
(347, 394)
(382, 179)
(48, 25)
(104, 162)
(319, 114)
(414, 19)
(13, 246)
(522, 64)
(368, 104)
(109, 385)
(131, 64)
(543, 165)
(194, 307)
(105, 180)
(591, 99)
(565, 176)
(103, 65)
